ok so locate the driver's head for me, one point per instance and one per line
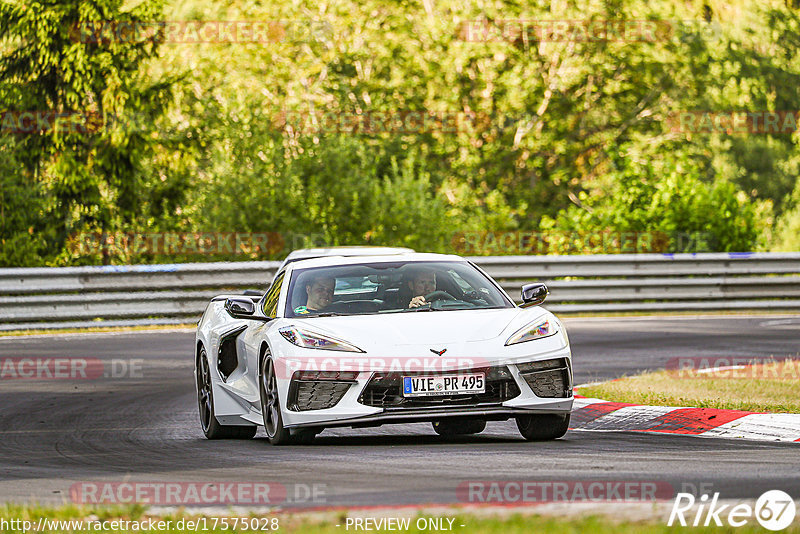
(422, 282)
(320, 293)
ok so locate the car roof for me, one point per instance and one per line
(304, 253)
(343, 251)
(331, 261)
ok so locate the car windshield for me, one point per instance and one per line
(391, 287)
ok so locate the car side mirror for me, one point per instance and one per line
(534, 294)
(240, 308)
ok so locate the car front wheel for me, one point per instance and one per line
(543, 427)
(270, 403)
(459, 427)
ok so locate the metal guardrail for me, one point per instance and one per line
(47, 297)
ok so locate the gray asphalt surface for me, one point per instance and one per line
(55, 433)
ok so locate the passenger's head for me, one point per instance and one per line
(422, 281)
(320, 292)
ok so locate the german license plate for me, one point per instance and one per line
(426, 386)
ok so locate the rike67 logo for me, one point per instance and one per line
(774, 510)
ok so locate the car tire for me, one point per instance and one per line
(304, 436)
(459, 427)
(543, 427)
(271, 403)
(205, 401)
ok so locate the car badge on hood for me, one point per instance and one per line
(439, 352)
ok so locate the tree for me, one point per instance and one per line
(66, 62)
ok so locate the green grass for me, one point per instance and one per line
(326, 523)
(770, 387)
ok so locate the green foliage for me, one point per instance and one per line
(788, 239)
(332, 191)
(788, 227)
(87, 170)
(674, 198)
(551, 135)
(21, 210)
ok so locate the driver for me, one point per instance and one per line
(320, 295)
(421, 283)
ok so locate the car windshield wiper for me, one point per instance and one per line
(329, 314)
(444, 307)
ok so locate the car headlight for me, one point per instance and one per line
(535, 330)
(313, 340)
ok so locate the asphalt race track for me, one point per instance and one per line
(55, 433)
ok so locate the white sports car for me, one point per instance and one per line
(366, 341)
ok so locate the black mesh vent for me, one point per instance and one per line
(384, 390)
(227, 358)
(549, 378)
(316, 394)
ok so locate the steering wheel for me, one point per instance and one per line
(439, 295)
(472, 296)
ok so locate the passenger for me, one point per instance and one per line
(319, 295)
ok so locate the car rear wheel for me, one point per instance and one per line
(459, 427)
(543, 427)
(205, 401)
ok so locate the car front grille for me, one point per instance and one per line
(548, 378)
(384, 390)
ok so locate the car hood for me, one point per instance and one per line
(423, 328)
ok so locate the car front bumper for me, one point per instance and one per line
(350, 410)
